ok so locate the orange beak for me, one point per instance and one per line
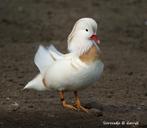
(95, 38)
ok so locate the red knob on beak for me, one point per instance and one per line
(95, 38)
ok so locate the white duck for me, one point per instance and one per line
(73, 71)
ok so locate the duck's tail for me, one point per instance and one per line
(36, 84)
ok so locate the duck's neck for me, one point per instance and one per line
(86, 47)
(92, 54)
(80, 46)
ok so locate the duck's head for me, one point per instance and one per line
(83, 35)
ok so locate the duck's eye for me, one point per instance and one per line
(87, 30)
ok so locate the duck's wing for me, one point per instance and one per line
(53, 49)
(71, 57)
(45, 57)
(56, 55)
(42, 58)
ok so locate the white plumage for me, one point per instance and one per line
(63, 72)
(67, 72)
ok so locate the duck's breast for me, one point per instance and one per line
(91, 55)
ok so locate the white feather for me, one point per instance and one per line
(53, 49)
(43, 59)
(36, 84)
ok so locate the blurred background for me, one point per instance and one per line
(121, 93)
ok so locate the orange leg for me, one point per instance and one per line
(78, 104)
(65, 105)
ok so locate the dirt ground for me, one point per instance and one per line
(120, 94)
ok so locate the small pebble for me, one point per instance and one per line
(7, 98)
(139, 108)
(15, 106)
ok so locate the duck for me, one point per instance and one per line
(74, 71)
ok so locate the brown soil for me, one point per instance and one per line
(120, 94)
